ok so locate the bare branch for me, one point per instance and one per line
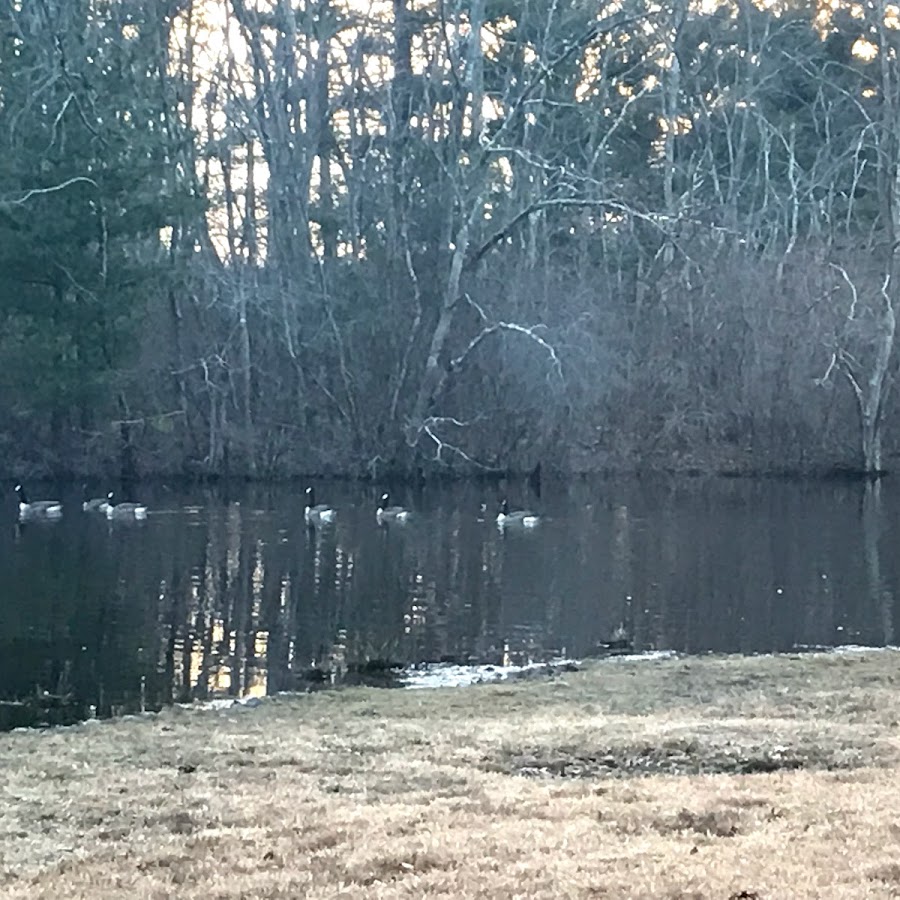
(851, 378)
(658, 220)
(822, 380)
(528, 331)
(346, 377)
(545, 70)
(77, 179)
(417, 321)
(440, 444)
(852, 312)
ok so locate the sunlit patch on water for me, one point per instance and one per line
(220, 703)
(644, 657)
(842, 648)
(435, 675)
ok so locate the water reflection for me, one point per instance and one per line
(235, 594)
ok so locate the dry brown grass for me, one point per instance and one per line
(718, 778)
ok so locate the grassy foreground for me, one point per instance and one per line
(715, 777)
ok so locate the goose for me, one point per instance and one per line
(386, 513)
(125, 510)
(521, 517)
(97, 504)
(314, 512)
(37, 509)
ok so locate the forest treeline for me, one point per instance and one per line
(268, 237)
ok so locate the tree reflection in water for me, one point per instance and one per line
(224, 593)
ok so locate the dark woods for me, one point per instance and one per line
(263, 238)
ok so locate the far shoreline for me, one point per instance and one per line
(398, 478)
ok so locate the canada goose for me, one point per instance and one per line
(125, 510)
(314, 512)
(522, 517)
(97, 504)
(386, 513)
(37, 509)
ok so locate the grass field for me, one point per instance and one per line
(718, 777)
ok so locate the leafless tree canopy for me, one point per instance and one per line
(277, 236)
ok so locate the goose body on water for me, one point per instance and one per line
(37, 509)
(523, 518)
(317, 512)
(125, 510)
(95, 504)
(387, 513)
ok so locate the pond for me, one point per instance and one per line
(227, 591)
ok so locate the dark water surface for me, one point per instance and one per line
(228, 592)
